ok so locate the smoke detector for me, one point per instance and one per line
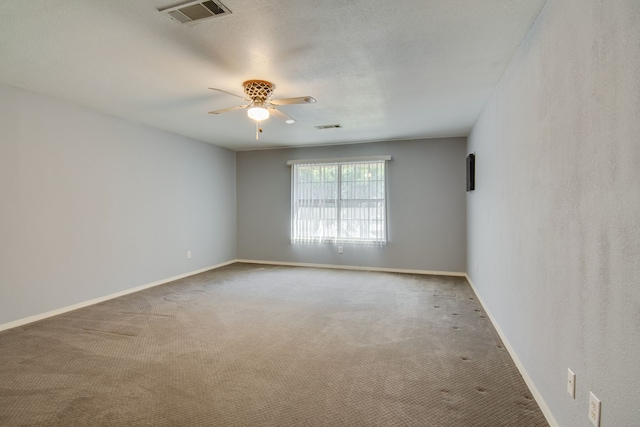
(192, 11)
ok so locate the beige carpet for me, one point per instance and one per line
(251, 345)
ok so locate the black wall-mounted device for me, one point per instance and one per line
(471, 172)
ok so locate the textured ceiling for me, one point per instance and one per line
(382, 69)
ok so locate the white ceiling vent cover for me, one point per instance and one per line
(336, 126)
(196, 11)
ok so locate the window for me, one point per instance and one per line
(339, 201)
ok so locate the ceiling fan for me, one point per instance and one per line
(258, 94)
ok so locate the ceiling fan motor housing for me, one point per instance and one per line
(258, 90)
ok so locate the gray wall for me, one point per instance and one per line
(426, 206)
(92, 205)
(554, 225)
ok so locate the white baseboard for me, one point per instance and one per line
(355, 267)
(527, 379)
(51, 313)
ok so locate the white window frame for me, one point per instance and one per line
(338, 162)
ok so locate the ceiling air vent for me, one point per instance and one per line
(329, 126)
(196, 11)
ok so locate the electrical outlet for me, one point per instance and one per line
(594, 409)
(340, 249)
(571, 383)
(188, 254)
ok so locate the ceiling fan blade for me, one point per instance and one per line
(282, 116)
(298, 100)
(224, 110)
(229, 93)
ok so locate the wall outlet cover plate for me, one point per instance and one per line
(571, 383)
(594, 409)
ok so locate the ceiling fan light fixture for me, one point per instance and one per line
(261, 106)
(257, 112)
